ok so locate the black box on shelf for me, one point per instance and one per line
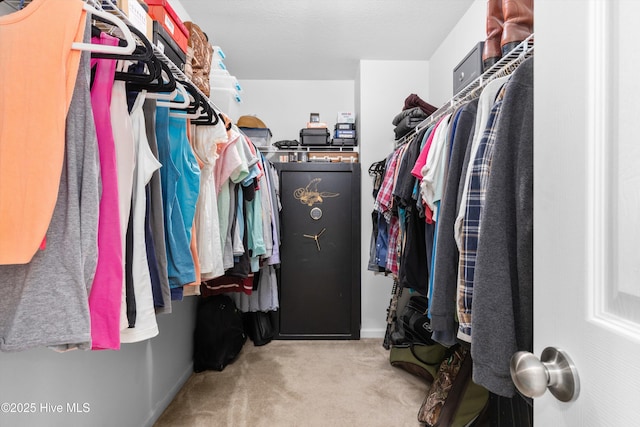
(340, 133)
(314, 136)
(168, 46)
(345, 126)
(469, 69)
(344, 142)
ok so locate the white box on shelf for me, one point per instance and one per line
(227, 100)
(346, 117)
(218, 64)
(218, 53)
(223, 81)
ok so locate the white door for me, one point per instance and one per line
(587, 206)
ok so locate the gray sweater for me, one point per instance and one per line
(503, 286)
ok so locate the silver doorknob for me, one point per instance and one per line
(554, 370)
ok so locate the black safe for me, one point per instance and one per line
(319, 277)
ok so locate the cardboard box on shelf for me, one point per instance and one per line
(316, 125)
(137, 15)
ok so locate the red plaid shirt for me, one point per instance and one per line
(384, 200)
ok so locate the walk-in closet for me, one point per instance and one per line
(339, 213)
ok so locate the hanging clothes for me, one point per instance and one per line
(156, 210)
(480, 170)
(104, 300)
(266, 297)
(477, 178)
(273, 184)
(205, 143)
(31, 157)
(45, 302)
(485, 102)
(125, 156)
(503, 285)
(445, 272)
(413, 269)
(144, 326)
(180, 266)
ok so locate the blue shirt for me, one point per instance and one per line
(180, 266)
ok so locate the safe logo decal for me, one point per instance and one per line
(310, 195)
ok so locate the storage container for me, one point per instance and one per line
(217, 52)
(345, 126)
(225, 81)
(346, 117)
(228, 101)
(217, 64)
(314, 137)
(469, 69)
(161, 11)
(261, 137)
(344, 142)
(343, 133)
(137, 14)
(168, 46)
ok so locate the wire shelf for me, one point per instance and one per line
(504, 67)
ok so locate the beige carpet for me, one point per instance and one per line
(301, 383)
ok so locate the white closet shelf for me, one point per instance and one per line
(307, 148)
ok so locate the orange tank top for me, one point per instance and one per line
(38, 69)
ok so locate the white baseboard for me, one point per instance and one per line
(372, 333)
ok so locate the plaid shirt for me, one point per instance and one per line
(395, 244)
(471, 221)
(384, 199)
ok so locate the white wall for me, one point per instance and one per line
(129, 387)
(463, 37)
(284, 105)
(383, 87)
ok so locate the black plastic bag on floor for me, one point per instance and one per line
(259, 327)
(219, 334)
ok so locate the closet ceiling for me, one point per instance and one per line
(322, 39)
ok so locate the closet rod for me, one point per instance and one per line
(175, 70)
(504, 67)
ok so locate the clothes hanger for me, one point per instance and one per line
(143, 50)
(98, 48)
(183, 114)
(141, 72)
(164, 96)
(180, 89)
(194, 106)
(143, 54)
(207, 114)
(163, 81)
(211, 118)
